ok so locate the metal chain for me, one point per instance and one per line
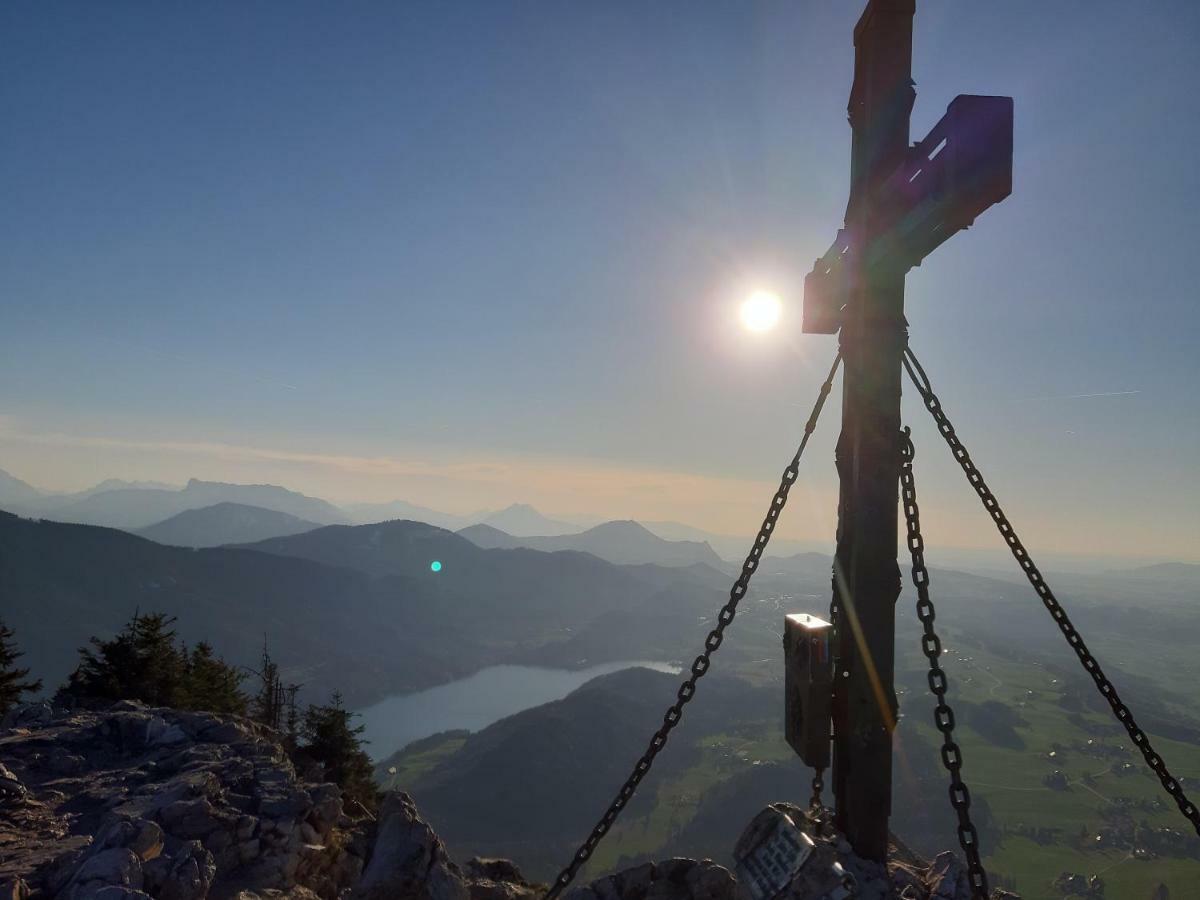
(931, 645)
(701, 664)
(1090, 665)
(818, 788)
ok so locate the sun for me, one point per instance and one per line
(760, 312)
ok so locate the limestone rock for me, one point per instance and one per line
(495, 870)
(409, 861)
(26, 715)
(135, 801)
(11, 789)
(190, 875)
(117, 866)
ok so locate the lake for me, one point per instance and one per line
(475, 702)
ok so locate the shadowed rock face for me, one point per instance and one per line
(135, 802)
(409, 862)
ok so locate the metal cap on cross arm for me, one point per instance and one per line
(962, 167)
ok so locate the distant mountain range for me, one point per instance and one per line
(351, 607)
(138, 505)
(15, 492)
(368, 513)
(134, 505)
(1182, 573)
(212, 514)
(517, 519)
(522, 520)
(225, 523)
(623, 543)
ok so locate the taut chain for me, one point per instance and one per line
(711, 643)
(1090, 665)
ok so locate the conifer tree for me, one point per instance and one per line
(13, 683)
(162, 663)
(331, 740)
(293, 717)
(144, 662)
(267, 706)
(211, 684)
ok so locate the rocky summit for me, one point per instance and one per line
(140, 803)
(135, 802)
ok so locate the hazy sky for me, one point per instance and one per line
(467, 254)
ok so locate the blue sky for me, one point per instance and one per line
(474, 253)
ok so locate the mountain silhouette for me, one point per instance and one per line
(352, 607)
(369, 513)
(224, 523)
(522, 520)
(560, 760)
(623, 542)
(132, 508)
(15, 492)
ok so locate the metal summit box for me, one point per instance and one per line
(808, 687)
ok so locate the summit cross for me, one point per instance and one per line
(905, 200)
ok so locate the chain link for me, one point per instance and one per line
(931, 646)
(701, 664)
(1090, 665)
(818, 788)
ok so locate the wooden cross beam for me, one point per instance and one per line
(962, 167)
(904, 202)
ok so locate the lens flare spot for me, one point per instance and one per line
(761, 311)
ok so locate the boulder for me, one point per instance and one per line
(409, 861)
(189, 876)
(947, 878)
(27, 715)
(161, 734)
(495, 870)
(190, 818)
(11, 788)
(147, 841)
(117, 866)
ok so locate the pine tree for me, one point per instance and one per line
(267, 706)
(212, 685)
(293, 717)
(108, 670)
(331, 740)
(12, 680)
(162, 663)
(144, 662)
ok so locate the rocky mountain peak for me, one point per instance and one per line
(140, 803)
(137, 802)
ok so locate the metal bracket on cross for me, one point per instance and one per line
(962, 167)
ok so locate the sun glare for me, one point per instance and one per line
(760, 311)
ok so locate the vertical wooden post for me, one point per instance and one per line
(866, 574)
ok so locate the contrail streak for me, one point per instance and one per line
(1085, 396)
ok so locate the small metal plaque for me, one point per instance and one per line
(769, 854)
